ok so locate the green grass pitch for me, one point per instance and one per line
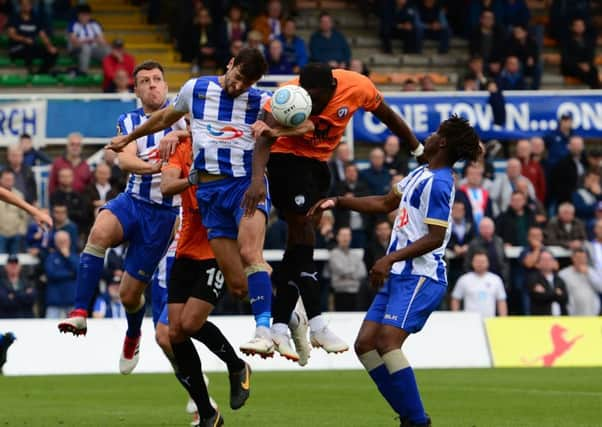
(460, 398)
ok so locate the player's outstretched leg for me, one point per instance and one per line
(131, 292)
(105, 233)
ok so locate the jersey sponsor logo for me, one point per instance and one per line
(227, 133)
(390, 316)
(403, 218)
(342, 112)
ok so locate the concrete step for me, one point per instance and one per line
(113, 7)
(107, 18)
(136, 37)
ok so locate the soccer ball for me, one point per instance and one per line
(291, 105)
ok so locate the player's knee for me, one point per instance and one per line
(191, 325)
(100, 236)
(363, 345)
(176, 333)
(129, 298)
(162, 337)
(250, 255)
(386, 342)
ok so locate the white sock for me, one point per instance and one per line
(279, 328)
(263, 332)
(317, 323)
(294, 322)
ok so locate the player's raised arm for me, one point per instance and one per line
(367, 204)
(159, 120)
(43, 219)
(399, 127)
(130, 162)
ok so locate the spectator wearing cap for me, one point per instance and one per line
(117, 59)
(578, 55)
(557, 141)
(61, 272)
(24, 29)
(13, 220)
(86, 39)
(328, 45)
(71, 159)
(17, 291)
(108, 305)
(293, 45)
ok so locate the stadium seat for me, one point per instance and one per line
(44, 80)
(13, 80)
(66, 61)
(3, 41)
(59, 41)
(5, 61)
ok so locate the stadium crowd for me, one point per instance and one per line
(494, 210)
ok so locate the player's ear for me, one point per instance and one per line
(442, 142)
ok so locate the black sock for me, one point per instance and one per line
(212, 337)
(287, 292)
(190, 375)
(307, 279)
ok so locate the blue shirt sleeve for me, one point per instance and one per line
(439, 202)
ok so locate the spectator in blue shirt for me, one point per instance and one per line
(31, 155)
(293, 45)
(63, 223)
(511, 77)
(108, 305)
(277, 62)
(377, 176)
(61, 272)
(557, 141)
(328, 45)
(17, 291)
(432, 24)
(398, 21)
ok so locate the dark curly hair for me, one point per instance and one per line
(463, 143)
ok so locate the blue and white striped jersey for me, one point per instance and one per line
(222, 143)
(87, 31)
(147, 187)
(426, 198)
(162, 273)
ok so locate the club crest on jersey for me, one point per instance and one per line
(342, 112)
(227, 133)
(300, 200)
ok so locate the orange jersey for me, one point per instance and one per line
(353, 91)
(193, 242)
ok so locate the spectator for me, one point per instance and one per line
(511, 77)
(36, 238)
(594, 247)
(270, 23)
(23, 30)
(13, 220)
(587, 198)
(277, 61)
(409, 85)
(525, 48)
(328, 45)
(504, 185)
(108, 305)
(17, 292)
(254, 40)
(116, 64)
(427, 84)
(61, 222)
(399, 21)
(377, 176)
(538, 151)
(118, 178)
(578, 53)
(25, 182)
(569, 171)
(473, 194)
(564, 12)
(376, 249)
(236, 27)
(493, 245)
(347, 270)
(209, 42)
(325, 238)
(476, 10)
(469, 83)
(7, 9)
(487, 42)
(120, 83)
(531, 168)
(547, 291)
(77, 205)
(583, 286)
(533, 205)
(337, 164)
(515, 13)
(293, 45)
(72, 159)
(476, 72)
(86, 39)
(395, 161)
(357, 222)
(565, 230)
(528, 264)
(61, 272)
(432, 25)
(480, 290)
(462, 233)
(557, 141)
(32, 156)
(358, 66)
(100, 190)
(513, 224)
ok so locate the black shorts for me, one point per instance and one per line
(297, 183)
(194, 278)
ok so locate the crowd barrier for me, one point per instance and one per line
(449, 340)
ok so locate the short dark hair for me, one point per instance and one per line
(148, 66)
(25, 136)
(479, 252)
(251, 63)
(4, 171)
(83, 8)
(462, 139)
(316, 75)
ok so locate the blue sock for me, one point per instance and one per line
(135, 322)
(260, 294)
(377, 370)
(88, 276)
(404, 387)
